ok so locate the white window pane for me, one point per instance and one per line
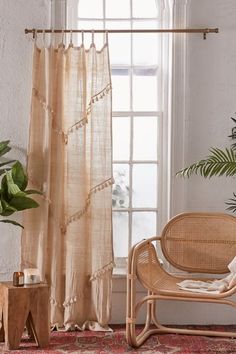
(90, 8)
(144, 93)
(91, 24)
(119, 43)
(145, 49)
(117, 8)
(121, 138)
(120, 234)
(146, 24)
(120, 189)
(118, 25)
(145, 126)
(143, 226)
(144, 9)
(120, 92)
(120, 48)
(144, 185)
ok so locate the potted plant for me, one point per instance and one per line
(14, 196)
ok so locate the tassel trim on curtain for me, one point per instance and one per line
(73, 299)
(95, 189)
(98, 96)
(81, 212)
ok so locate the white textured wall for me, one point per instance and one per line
(210, 97)
(15, 89)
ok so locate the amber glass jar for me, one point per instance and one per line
(18, 278)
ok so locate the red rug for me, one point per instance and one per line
(88, 342)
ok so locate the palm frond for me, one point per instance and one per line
(218, 163)
(233, 146)
(232, 204)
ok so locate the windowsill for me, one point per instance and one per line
(119, 272)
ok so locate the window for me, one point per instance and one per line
(140, 114)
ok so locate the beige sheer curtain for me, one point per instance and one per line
(69, 238)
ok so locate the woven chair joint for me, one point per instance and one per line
(131, 276)
(150, 302)
(131, 320)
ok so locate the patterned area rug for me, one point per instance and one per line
(88, 342)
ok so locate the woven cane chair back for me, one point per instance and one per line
(200, 242)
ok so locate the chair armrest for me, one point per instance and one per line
(142, 243)
(136, 249)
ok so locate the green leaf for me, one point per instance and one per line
(7, 208)
(4, 143)
(19, 176)
(22, 203)
(20, 194)
(4, 170)
(11, 186)
(11, 222)
(4, 189)
(4, 148)
(33, 191)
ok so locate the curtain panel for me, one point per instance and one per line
(69, 237)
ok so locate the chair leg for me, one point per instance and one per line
(130, 310)
(137, 340)
(164, 329)
(2, 338)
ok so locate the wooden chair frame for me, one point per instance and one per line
(144, 265)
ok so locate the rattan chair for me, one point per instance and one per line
(191, 242)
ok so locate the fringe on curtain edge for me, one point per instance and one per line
(95, 189)
(99, 273)
(73, 299)
(91, 325)
(98, 96)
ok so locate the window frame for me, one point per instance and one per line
(165, 185)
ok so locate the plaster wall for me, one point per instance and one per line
(15, 90)
(210, 97)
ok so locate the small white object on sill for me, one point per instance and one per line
(31, 276)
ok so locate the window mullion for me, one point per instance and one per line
(118, 210)
(136, 162)
(104, 14)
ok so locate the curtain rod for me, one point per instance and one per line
(205, 31)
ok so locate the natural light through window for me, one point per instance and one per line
(137, 112)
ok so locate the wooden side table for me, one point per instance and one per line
(24, 306)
